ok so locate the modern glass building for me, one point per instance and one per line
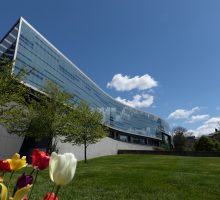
(30, 49)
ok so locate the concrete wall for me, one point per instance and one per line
(106, 146)
(174, 153)
(9, 144)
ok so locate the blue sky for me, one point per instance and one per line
(159, 56)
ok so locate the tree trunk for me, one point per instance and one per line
(85, 148)
(49, 145)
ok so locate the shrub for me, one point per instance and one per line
(207, 144)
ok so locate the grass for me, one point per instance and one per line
(140, 177)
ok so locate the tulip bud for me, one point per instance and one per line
(40, 160)
(50, 196)
(5, 166)
(62, 168)
(24, 180)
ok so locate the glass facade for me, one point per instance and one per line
(8, 43)
(31, 50)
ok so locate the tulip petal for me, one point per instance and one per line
(4, 192)
(49, 196)
(16, 162)
(52, 164)
(21, 193)
(24, 180)
(5, 166)
(62, 168)
(40, 160)
(59, 175)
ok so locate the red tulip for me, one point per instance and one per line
(50, 196)
(5, 166)
(40, 160)
(25, 198)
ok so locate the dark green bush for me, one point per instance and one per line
(207, 144)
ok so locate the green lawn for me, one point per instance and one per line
(147, 177)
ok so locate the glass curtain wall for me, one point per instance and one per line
(47, 63)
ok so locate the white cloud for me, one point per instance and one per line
(183, 114)
(138, 101)
(197, 118)
(125, 83)
(213, 120)
(208, 127)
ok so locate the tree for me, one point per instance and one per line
(25, 112)
(10, 89)
(13, 105)
(207, 144)
(48, 113)
(88, 127)
(179, 138)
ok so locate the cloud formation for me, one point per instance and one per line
(208, 127)
(138, 101)
(127, 83)
(182, 114)
(197, 118)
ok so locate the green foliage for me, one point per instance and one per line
(165, 146)
(87, 125)
(49, 115)
(216, 136)
(179, 139)
(13, 107)
(207, 144)
(10, 87)
(45, 115)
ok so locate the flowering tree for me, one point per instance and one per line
(47, 115)
(10, 89)
(13, 104)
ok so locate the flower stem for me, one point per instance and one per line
(56, 193)
(51, 191)
(32, 171)
(53, 188)
(35, 179)
(8, 184)
(2, 174)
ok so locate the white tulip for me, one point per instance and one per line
(62, 168)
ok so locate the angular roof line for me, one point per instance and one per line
(9, 30)
(23, 20)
